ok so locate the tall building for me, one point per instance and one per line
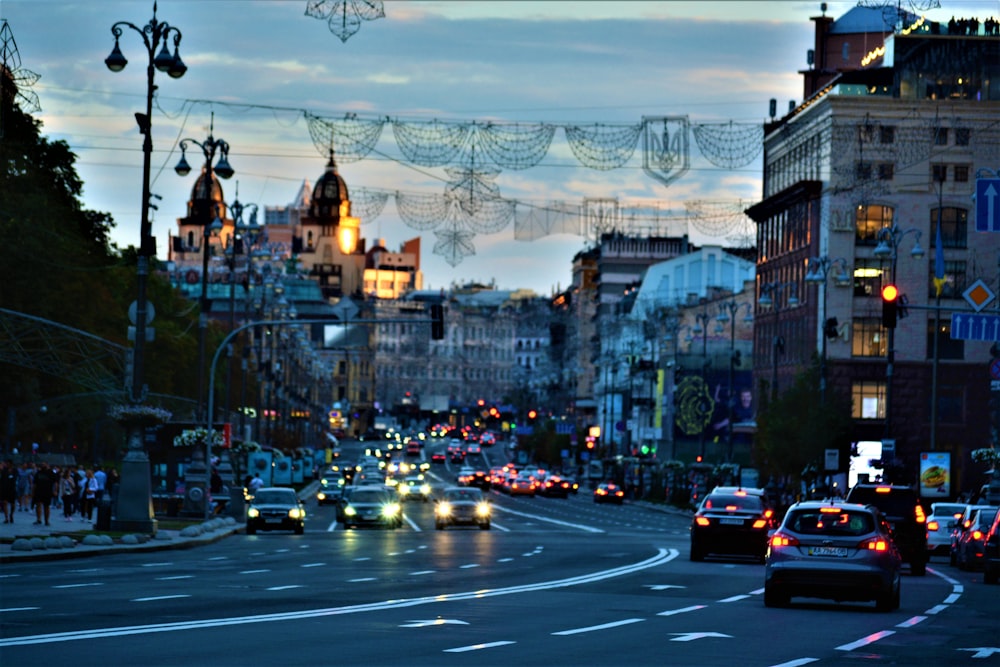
(868, 182)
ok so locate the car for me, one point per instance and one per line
(969, 550)
(414, 487)
(991, 552)
(477, 478)
(487, 439)
(473, 448)
(731, 521)
(462, 505)
(609, 492)
(522, 485)
(833, 550)
(330, 494)
(276, 508)
(438, 457)
(942, 520)
(413, 448)
(555, 486)
(372, 506)
(901, 507)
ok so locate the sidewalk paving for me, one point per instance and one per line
(24, 541)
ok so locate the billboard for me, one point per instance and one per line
(935, 475)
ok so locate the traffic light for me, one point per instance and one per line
(890, 306)
(532, 414)
(437, 321)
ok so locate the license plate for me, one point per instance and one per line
(731, 522)
(272, 521)
(839, 552)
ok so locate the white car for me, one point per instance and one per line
(941, 523)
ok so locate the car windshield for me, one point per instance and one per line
(269, 496)
(464, 494)
(367, 496)
(740, 502)
(986, 516)
(826, 522)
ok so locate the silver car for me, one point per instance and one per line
(943, 520)
(832, 550)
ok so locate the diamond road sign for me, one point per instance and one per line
(978, 295)
(975, 326)
(988, 204)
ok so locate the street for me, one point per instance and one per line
(556, 581)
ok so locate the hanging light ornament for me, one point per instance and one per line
(345, 16)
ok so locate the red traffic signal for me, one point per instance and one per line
(532, 414)
(890, 306)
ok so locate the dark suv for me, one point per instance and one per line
(902, 509)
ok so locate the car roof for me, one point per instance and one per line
(734, 489)
(819, 504)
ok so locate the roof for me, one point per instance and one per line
(870, 20)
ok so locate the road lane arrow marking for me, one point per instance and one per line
(432, 621)
(982, 651)
(691, 636)
(662, 587)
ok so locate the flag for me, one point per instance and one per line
(939, 279)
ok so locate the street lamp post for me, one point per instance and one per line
(134, 511)
(771, 297)
(889, 239)
(728, 311)
(209, 147)
(819, 270)
(701, 328)
(243, 242)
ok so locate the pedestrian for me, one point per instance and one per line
(25, 475)
(8, 490)
(87, 496)
(46, 484)
(102, 479)
(256, 483)
(67, 489)
(114, 479)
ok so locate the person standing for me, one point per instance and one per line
(87, 496)
(102, 479)
(67, 489)
(45, 487)
(25, 477)
(8, 490)
(256, 483)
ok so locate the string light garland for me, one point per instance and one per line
(344, 17)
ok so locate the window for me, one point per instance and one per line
(947, 348)
(939, 135)
(954, 227)
(954, 280)
(885, 171)
(868, 399)
(962, 136)
(887, 134)
(867, 277)
(868, 220)
(868, 338)
(939, 173)
(863, 171)
(961, 172)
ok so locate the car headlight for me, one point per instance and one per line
(296, 513)
(392, 509)
(320, 496)
(482, 510)
(253, 513)
(425, 489)
(443, 509)
(350, 511)
(404, 489)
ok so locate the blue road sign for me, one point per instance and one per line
(988, 205)
(565, 428)
(975, 326)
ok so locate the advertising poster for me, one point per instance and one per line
(260, 463)
(297, 471)
(282, 471)
(935, 474)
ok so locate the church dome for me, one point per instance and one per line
(330, 192)
(207, 202)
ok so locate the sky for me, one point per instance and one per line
(258, 70)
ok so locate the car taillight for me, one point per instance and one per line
(782, 540)
(701, 521)
(768, 514)
(875, 544)
(932, 525)
(921, 517)
(977, 534)
(760, 523)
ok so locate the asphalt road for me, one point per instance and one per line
(555, 582)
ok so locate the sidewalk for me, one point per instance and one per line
(23, 541)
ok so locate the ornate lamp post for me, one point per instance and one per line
(728, 311)
(222, 168)
(701, 329)
(770, 296)
(889, 239)
(134, 512)
(819, 271)
(242, 242)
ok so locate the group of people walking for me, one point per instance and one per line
(37, 488)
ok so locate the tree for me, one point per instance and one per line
(795, 431)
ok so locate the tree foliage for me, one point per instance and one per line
(796, 430)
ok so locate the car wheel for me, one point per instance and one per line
(774, 597)
(918, 568)
(251, 530)
(953, 558)
(484, 526)
(888, 601)
(697, 555)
